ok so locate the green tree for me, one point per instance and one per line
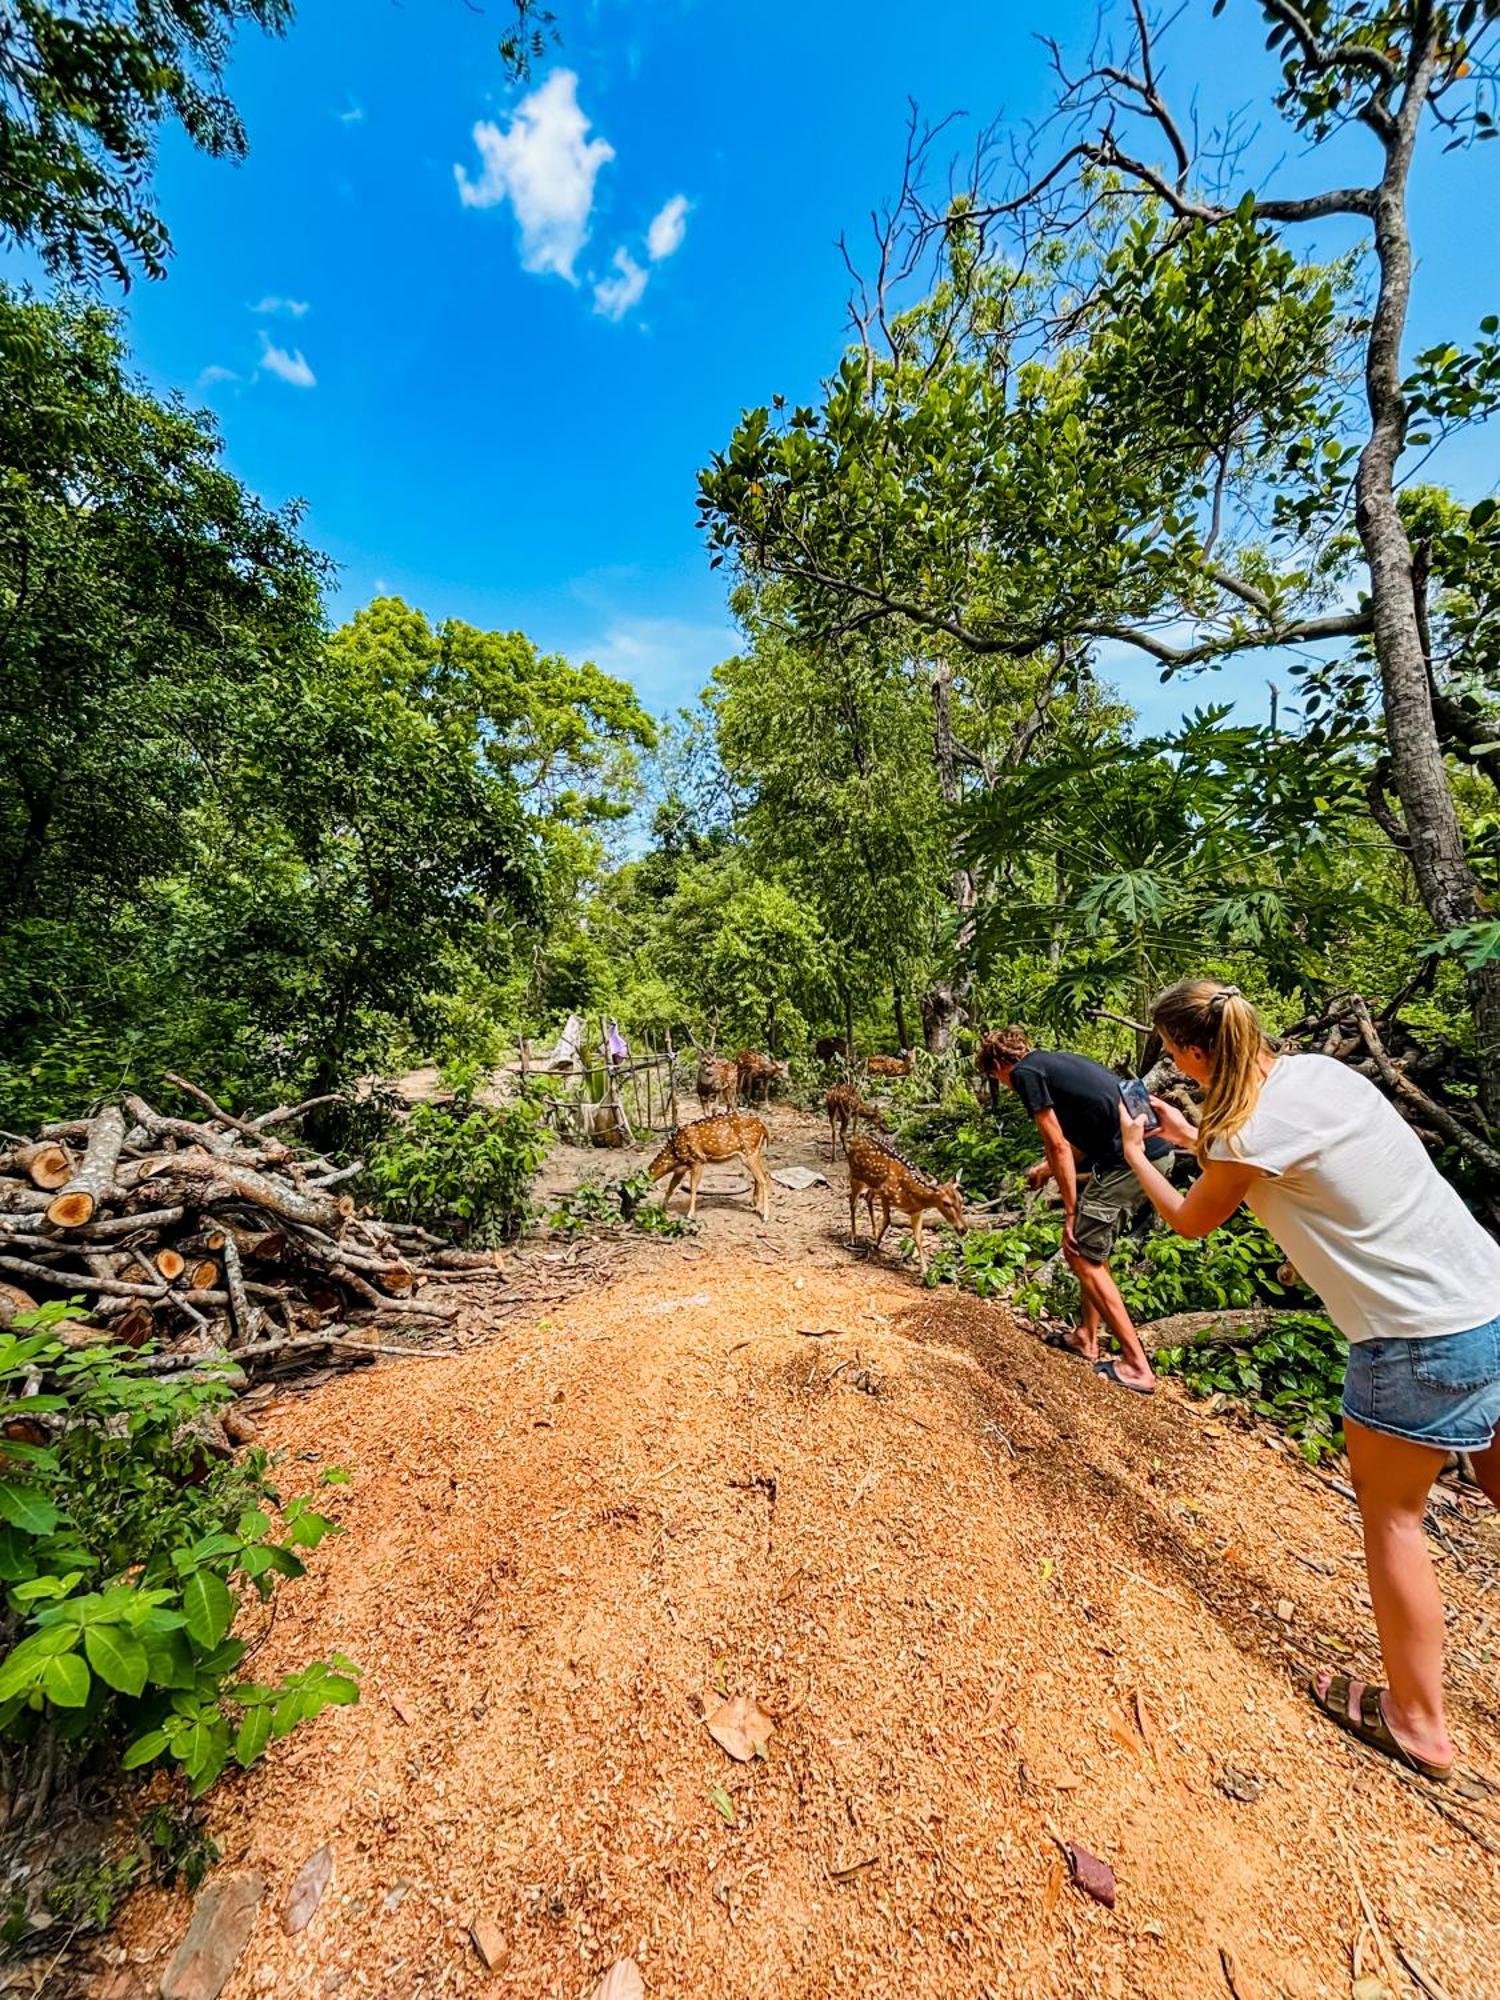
(84, 92)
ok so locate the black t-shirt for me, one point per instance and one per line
(1086, 1097)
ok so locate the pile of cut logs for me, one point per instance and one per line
(208, 1235)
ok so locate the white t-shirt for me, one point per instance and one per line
(1348, 1191)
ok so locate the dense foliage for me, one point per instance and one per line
(129, 1553)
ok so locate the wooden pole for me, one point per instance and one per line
(672, 1080)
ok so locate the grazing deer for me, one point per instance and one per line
(832, 1048)
(892, 1066)
(717, 1080)
(879, 1173)
(729, 1135)
(845, 1107)
(758, 1072)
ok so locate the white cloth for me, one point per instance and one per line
(1349, 1193)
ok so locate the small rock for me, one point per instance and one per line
(799, 1179)
(404, 1709)
(489, 1942)
(1240, 1785)
(220, 1929)
(1095, 1877)
(1286, 1610)
(623, 1981)
(302, 1903)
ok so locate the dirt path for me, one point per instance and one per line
(990, 1601)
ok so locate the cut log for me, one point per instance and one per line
(171, 1264)
(244, 1317)
(79, 1199)
(203, 1275)
(1237, 1325)
(46, 1165)
(21, 1198)
(318, 1211)
(273, 1147)
(14, 1300)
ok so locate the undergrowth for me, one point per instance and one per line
(595, 1202)
(128, 1553)
(461, 1168)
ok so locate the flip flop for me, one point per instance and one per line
(1372, 1727)
(1112, 1374)
(1063, 1345)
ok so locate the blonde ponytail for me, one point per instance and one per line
(1219, 1021)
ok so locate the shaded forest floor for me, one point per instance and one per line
(991, 1603)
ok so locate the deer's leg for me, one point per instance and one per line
(918, 1242)
(762, 1182)
(853, 1211)
(885, 1220)
(693, 1179)
(672, 1185)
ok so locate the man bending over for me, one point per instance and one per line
(1076, 1105)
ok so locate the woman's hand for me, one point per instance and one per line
(1132, 1133)
(1179, 1132)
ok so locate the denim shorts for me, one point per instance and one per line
(1443, 1391)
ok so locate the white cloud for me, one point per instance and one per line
(215, 373)
(289, 365)
(354, 115)
(666, 660)
(293, 308)
(615, 296)
(668, 227)
(545, 165)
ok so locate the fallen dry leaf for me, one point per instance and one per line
(741, 1727)
(1095, 1877)
(306, 1892)
(404, 1709)
(623, 1981)
(1054, 1888)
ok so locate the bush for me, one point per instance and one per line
(1003, 1263)
(1294, 1376)
(461, 1168)
(593, 1202)
(1235, 1266)
(127, 1554)
(960, 1136)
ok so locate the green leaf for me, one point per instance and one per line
(723, 1804)
(27, 1509)
(169, 1660)
(253, 1735)
(65, 1681)
(117, 1657)
(144, 1750)
(209, 1608)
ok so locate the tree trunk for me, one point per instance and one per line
(946, 1002)
(1445, 881)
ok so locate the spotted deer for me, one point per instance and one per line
(718, 1081)
(879, 1173)
(758, 1074)
(728, 1135)
(845, 1108)
(891, 1066)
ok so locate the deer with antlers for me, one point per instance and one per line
(846, 1108)
(880, 1173)
(718, 1082)
(728, 1135)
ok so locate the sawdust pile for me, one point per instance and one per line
(989, 1604)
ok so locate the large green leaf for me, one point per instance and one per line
(209, 1608)
(117, 1657)
(26, 1508)
(65, 1681)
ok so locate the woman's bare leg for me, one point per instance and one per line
(1392, 1478)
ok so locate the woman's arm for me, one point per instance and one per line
(1212, 1199)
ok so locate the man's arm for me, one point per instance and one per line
(1062, 1163)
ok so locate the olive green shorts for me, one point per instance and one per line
(1106, 1206)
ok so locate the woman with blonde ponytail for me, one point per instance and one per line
(1405, 1273)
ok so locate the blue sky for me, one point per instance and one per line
(415, 305)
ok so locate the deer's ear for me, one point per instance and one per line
(958, 1178)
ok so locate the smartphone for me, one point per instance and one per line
(1138, 1102)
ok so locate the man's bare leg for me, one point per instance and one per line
(1102, 1299)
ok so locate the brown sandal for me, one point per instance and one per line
(1372, 1727)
